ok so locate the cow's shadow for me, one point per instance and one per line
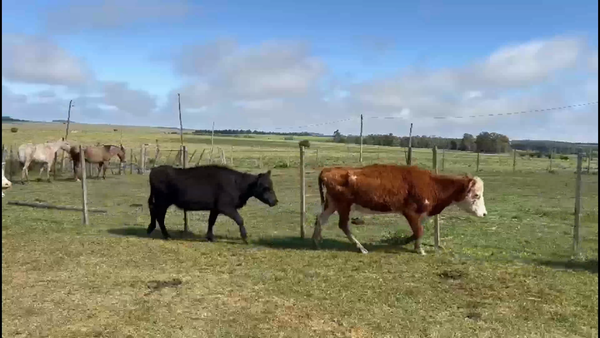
(327, 244)
(176, 235)
(590, 265)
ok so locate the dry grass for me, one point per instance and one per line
(508, 275)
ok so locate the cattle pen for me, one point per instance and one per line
(510, 274)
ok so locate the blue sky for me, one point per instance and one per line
(267, 64)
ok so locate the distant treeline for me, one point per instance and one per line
(485, 142)
(251, 132)
(10, 119)
(64, 121)
(546, 147)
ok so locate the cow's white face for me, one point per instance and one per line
(473, 202)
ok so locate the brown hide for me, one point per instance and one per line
(391, 188)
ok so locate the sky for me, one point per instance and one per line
(307, 65)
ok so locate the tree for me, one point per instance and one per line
(338, 137)
(467, 143)
(453, 145)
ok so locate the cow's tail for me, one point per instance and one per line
(151, 201)
(321, 186)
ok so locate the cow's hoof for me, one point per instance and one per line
(245, 240)
(210, 239)
(420, 252)
(363, 251)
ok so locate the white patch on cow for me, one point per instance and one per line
(352, 177)
(426, 202)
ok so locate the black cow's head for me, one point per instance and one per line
(263, 189)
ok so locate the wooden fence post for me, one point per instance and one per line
(302, 144)
(409, 156)
(551, 156)
(156, 156)
(131, 162)
(589, 164)
(361, 141)
(477, 169)
(83, 185)
(514, 160)
(141, 165)
(443, 158)
(436, 220)
(318, 157)
(576, 229)
(183, 152)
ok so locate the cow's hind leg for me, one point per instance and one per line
(159, 212)
(152, 224)
(212, 219)
(321, 220)
(414, 220)
(343, 224)
(234, 215)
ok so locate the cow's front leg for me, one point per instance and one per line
(320, 221)
(212, 219)
(344, 213)
(234, 215)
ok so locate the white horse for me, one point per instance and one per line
(5, 182)
(43, 153)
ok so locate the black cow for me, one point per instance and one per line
(218, 189)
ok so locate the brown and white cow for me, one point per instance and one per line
(391, 189)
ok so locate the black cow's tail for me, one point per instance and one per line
(151, 201)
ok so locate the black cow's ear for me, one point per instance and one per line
(268, 173)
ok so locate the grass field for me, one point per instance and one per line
(508, 275)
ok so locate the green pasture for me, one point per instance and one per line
(510, 274)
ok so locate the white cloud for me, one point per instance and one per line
(31, 59)
(135, 102)
(527, 64)
(268, 71)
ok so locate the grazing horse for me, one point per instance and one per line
(43, 153)
(97, 154)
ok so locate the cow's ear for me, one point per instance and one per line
(268, 173)
(471, 184)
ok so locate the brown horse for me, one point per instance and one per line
(100, 155)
